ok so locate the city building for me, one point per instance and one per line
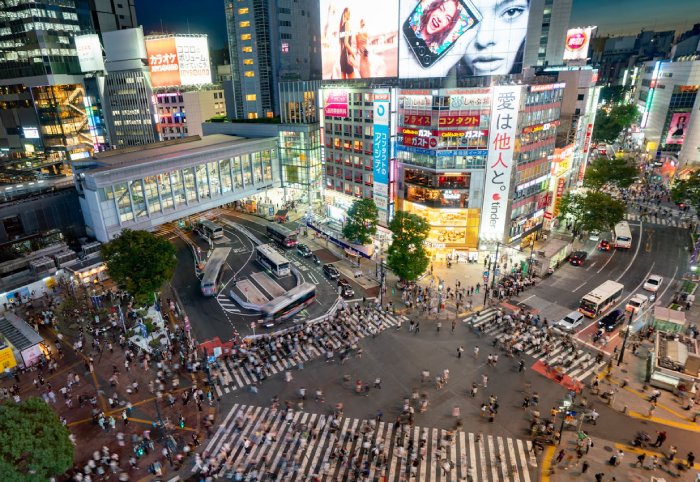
(181, 112)
(108, 16)
(143, 187)
(546, 32)
(667, 96)
(688, 45)
(270, 42)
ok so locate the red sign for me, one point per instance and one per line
(576, 40)
(540, 127)
(336, 104)
(547, 215)
(560, 187)
(459, 120)
(417, 120)
(416, 141)
(587, 141)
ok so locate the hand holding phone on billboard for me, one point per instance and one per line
(434, 27)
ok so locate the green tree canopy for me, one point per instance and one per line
(139, 262)
(610, 121)
(592, 210)
(687, 191)
(407, 257)
(34, 444)
(361, 222)
(619, 172)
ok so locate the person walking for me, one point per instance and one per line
(484, 381)
(460, 350)
(476, 352)
(660, 438)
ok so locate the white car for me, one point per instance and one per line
(594, 235)
(653, 283)
(637, 303)
(570, 322)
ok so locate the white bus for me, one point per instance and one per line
(270, 259)
(601, 299)
(287, 305)
(213, 271)
(209, 229)
(623, 235)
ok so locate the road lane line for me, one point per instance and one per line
(606, 263)
(580, 286)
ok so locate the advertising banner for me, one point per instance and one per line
(417, 120)
(7, 359)
(359, 39)
(89, 51)
(587, 140)
(162, 62)
(499, 165)
(678, 128)
(175, 61)
(577, 43)
(461, 37)
(381, 140)
(336, 104)
(459, 121)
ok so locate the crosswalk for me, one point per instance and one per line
(227, 377)
(299, 445)
(226, 303)
(662, 220)
(578, 364)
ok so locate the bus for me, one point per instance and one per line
(285, 237)
(601, 299)
(288, 305)
(213, 271)
(210, 230)
(623, 235)
(272, 260)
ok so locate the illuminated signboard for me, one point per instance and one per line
(178, 60)
(359, 39)
(459, 121)
(30, 132)
(417, 120)
(678, 128)
(380, 151)
(89, 51)
(336, 104)
(577, 43)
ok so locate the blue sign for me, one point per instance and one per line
(380, 156)
(443, 153)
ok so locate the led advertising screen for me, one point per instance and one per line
(359, 38)
(177, 61)
(89, 53)
(678, 128)
(461, 37)
(577, 42)
(336, 103)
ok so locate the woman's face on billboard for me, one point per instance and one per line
(498, 37)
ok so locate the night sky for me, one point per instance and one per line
(611, 16)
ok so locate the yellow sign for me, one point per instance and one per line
(7, 358)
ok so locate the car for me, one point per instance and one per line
(604, 245)
(331, 271)
(570, 321)
(346, 290)
(577, 258)
(304, 250)
(637, 303)
(653, 283)
(610, 321)
(594, 235)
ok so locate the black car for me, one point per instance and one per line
(610, 321)
(578, 257)
(331, 271)
(304, 250)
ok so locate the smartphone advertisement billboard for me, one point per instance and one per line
(577, 43)
(359, 39)
(178, 60)
(461, 37)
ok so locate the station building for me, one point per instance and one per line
(146, 186)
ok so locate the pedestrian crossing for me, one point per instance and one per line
(661, 219)
(578, 364)
(227, 304)
(299, 445)
(227, 377)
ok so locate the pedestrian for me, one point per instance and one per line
(640, 460)
(460, 350)
(660, 438)
(438, 325)
(454, 325)
(417, 329)
(484, 380)
(599, 477)
(560, 456)
(377, 382)
(690, 459)
(521, 366)
(476, 352)
(584, 467)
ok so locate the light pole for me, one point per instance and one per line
(624, 340)
(381, 282)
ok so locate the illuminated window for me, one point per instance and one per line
(285, 47)
(251, 97)
(248, 61)
(248, 50)
(245, 23)
(242, 11)
(252, 115)
(249, 73)
(246, 36)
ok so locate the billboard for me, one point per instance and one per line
(178, 60)
(577, 43)
(678, 128)
(380, 159)
(89, 51)
(461, 37)
(336, 103)
(499, 164)
(359, 39)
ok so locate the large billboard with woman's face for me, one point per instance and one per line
(359, 38)
(438, 38)
(678, 128)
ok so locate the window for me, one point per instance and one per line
(580, 97)
(242, 11)
(248, 62)
(249, 73)
(244, 23)
(285, 23)
(286, 36)
(246, 36)
(251, 97)
(285, 47)
(247, 50)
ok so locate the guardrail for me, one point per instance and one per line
(243, 230)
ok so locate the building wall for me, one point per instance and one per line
(131, 114)
(108, 15)
(547, 26)
(181, 113)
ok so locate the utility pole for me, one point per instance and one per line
(624, 340)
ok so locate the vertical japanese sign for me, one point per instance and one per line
(380, 151)
(504, 120)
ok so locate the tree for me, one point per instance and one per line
(610, 121)
(407, 257)
(34, 444)
(619, 172)
(687, 191)
(591, 211)
(139, 262)
(361, 222)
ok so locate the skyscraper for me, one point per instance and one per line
(548, 23)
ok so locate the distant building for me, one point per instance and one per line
(546, 32)
(182, 112)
